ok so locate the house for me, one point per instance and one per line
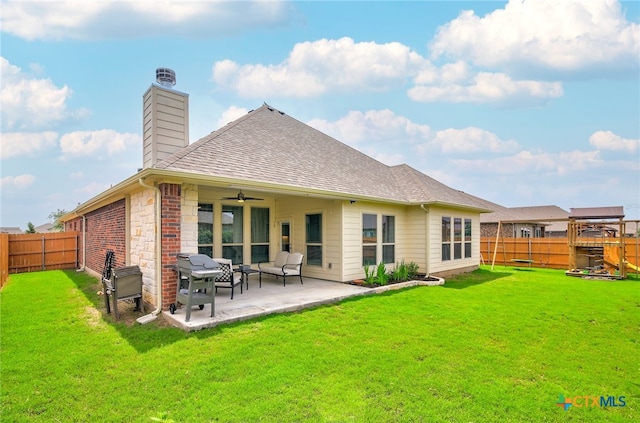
(11, 230)
(263, 183)
(45, 228)
(525, 222)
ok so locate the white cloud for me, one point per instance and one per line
(231, 114)
(105, 142)
(16, 144)
(315, 67)
(483, 87)
(392, 159)
(31, 103)
(527, 162)
(20, 181)
(103, 19)
(381, 131)
(91, 189)
(318, 67)
(373, 126)
(468, 140)
(607, 140)
(566, 36)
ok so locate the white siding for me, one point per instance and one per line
(436, 265)
(294, 210)
(417, 231)
(414, 238)
(409, 236)
(165, 123)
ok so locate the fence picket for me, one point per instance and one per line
(552, 253)
(32, 252)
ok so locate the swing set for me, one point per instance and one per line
(596, 244)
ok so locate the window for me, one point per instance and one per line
(457, 238)
(369, 239)
(313, 229)
(388, 239)
(232, 233)
(446, 238)
(525, 233)
(259, 234)
(467, 238)
(205, 229)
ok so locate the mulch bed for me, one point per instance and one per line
(362, 282)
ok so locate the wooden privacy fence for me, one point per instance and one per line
(552, 253)
(4, 258)
(33, 252)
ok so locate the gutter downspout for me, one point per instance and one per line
(158, 256)
(84, 244)
(426, 254)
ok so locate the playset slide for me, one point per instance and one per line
(612, 259)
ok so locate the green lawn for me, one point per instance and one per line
(491, 346)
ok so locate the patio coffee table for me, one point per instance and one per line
(246, 270)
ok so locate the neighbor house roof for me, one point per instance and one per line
(615, 212)
(45, 227)
(11, 230)
(499, 213)
(268, 146)
(551, 216)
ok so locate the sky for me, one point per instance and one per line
(522, 103)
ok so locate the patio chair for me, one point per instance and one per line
(229, 278)
(284, 265)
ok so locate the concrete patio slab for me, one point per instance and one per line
(273, 298)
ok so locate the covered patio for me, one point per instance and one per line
(274, 298)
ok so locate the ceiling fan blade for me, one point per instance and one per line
(241, 198)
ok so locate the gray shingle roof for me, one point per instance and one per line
(613, 212)
(268, 146)
(540, 212)
(531, 213)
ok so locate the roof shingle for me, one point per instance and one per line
(268, 146)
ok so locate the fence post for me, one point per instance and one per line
(44, 267)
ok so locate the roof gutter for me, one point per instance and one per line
(456, 206)
(158, 255)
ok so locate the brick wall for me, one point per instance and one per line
(170, 229)
(491, 229)
(106, 231)
(75, 225)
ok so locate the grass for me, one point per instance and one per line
(488, 346)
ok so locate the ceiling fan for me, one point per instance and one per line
(240, 198)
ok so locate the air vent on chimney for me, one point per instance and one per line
(166, 77)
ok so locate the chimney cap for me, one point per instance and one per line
(166, 77)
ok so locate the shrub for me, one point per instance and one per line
(381, 274)
(368, 275)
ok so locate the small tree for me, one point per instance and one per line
(30, 229)
(55, 216)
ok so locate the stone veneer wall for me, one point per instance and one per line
(189, 219)
(170, 229)
(142, 242)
